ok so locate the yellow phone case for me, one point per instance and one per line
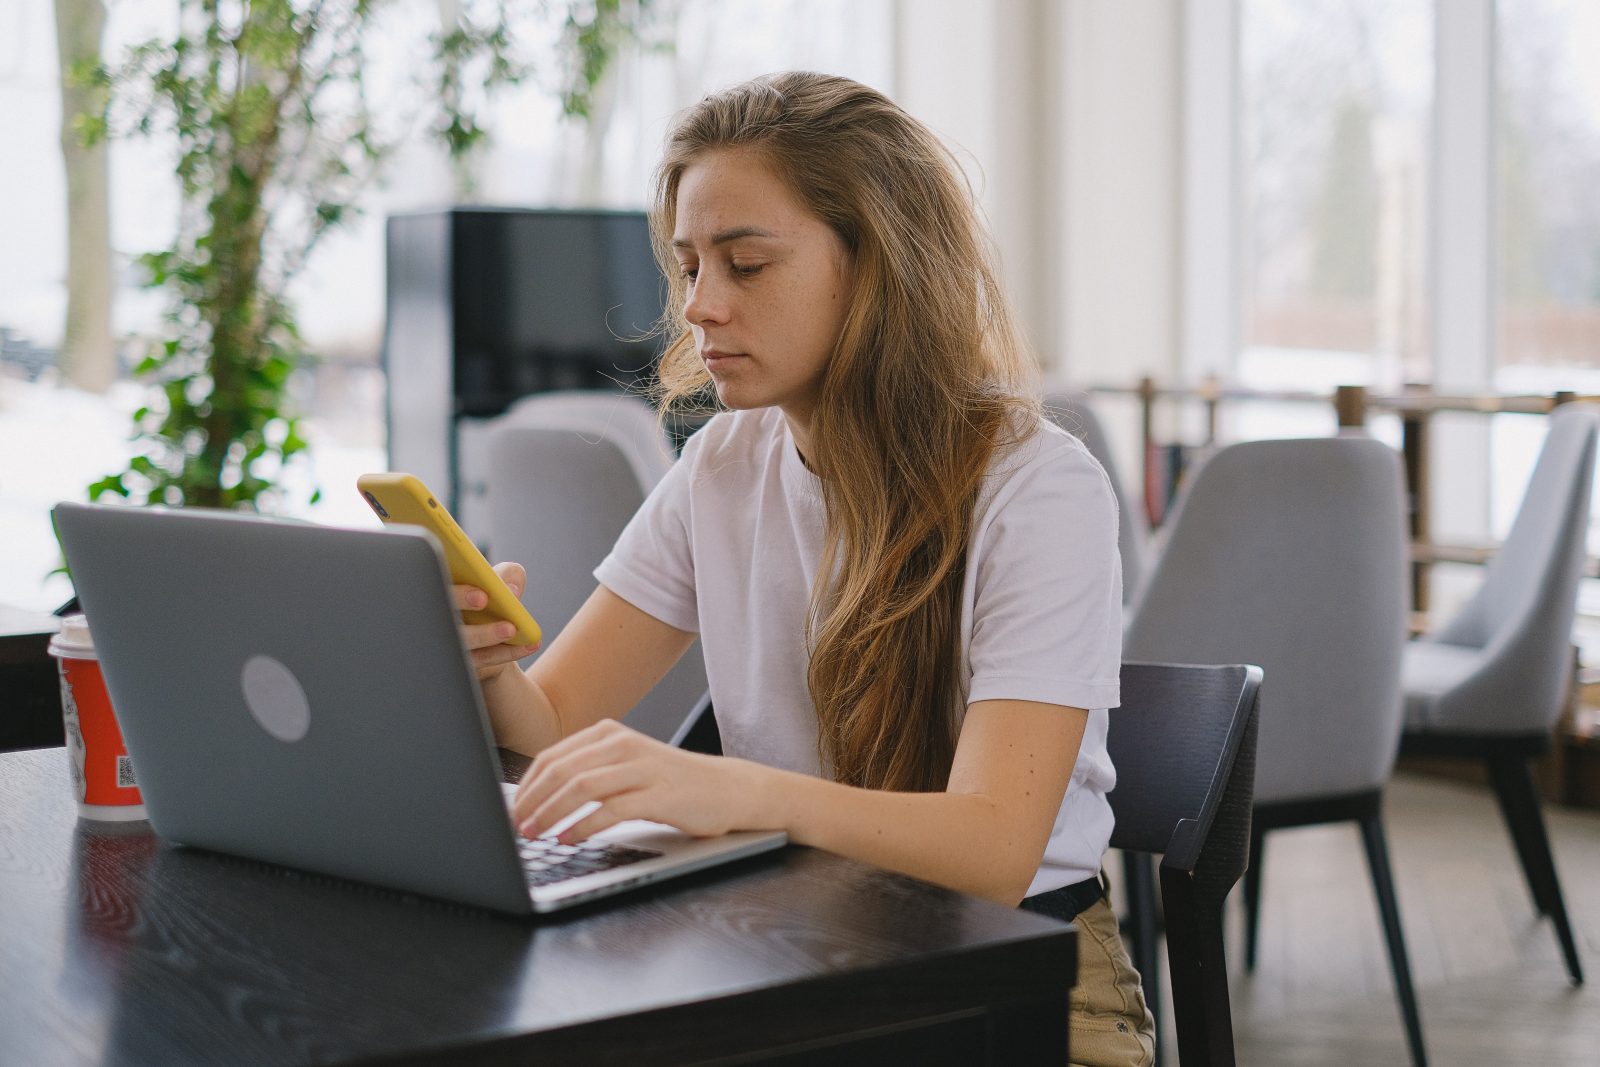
(403, 498)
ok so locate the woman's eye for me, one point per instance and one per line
(748, 271)
(688, 273)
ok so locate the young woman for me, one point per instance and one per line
(905, 581)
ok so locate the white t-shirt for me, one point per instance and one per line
(728, 545)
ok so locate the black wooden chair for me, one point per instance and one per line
(699, 731)
(1183, 742)
(1184, 745)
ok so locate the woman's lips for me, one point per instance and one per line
(715, 360)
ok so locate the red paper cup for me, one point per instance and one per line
(102, 773)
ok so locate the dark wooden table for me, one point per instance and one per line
(30, 714)
(117, 948)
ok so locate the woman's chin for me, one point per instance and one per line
(735, 399)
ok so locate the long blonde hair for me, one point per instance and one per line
(929, 379)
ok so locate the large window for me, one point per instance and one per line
(1547, 213)
(1337, 99)
(54, 439)
(1336, 144)
(1397, 162)
(1548, 189)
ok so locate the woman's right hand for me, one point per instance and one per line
(491, 656)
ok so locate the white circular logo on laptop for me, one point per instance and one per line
(274, 697)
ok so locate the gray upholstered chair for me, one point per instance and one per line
(566, 472)
(1490, 684)
(1292, 555)
(623, 419)
(1072, 410)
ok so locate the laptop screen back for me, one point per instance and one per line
(297, 694)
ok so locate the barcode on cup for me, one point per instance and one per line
(125, 778)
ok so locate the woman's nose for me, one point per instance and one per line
(707, 302)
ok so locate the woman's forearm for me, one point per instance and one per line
(963, 841)
(523, 718)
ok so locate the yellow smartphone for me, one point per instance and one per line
(403, 498)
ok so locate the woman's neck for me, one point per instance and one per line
(800, 430)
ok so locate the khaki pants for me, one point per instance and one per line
(1111, 1027)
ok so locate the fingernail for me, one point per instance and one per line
(479, 600)
(505, 629)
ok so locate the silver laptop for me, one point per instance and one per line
(300, 694)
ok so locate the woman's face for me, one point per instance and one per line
(768, 283)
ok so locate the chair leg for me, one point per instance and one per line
(1377, 847)
(1519, 804)
(1509, 794)
(1252, 895)
(1198, 966)
(1144, 933)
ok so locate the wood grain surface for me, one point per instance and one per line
(117, 948)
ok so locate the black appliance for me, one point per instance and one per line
(487, 305)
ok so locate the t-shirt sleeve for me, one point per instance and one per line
(652, 564)
(1047, 602)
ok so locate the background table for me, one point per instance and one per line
(117, 948)
(30, 713)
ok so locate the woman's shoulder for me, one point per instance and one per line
(1042, 447)
(732, 440)
(1046, 461)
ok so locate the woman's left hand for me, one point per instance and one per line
(630, 776)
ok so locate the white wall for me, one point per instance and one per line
(1068, 114)
(1121, 182)
(971, 69)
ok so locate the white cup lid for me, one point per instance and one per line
(73, 637)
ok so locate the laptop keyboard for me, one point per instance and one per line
(545, 861)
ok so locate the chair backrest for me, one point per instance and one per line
(625, 419)
(557, 499)
(1292, 555)
(1183, 744)
(1523, 612)
(563, 480)
(1071, 410)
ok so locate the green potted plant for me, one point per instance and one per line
(276, 141)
